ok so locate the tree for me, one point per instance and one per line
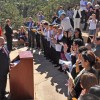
(17, 10)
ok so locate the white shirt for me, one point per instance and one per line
(58, 37)
(92, 24)
(65, 24)
(82, 5)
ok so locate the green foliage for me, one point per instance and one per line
(17, 10)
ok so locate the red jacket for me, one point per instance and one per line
(0, 31)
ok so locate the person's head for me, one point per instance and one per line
(93, 16)
(2, 42)
(77, 33)
(95, 90)
(77, 7)
(55, 14)
(68, 8)
(81, 49)
(46, 25)
(67, 34)
(19, 30)
(40, 12)
(97, 6)
(97, 40)
(59, 30)
(61, 8)
(89, 97)
(63, 15)
(22, 28)
(77, 42)
(88, 59)
(89, 4)
(88, 80)
(30, 19)
(89, 39)
(8, 21)
(55, 28)
(50, 26)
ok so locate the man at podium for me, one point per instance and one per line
(4, 68)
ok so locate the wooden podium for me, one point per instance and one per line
(21, 78)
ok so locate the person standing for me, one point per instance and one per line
(31, 35)
(93, 23)
(65, 22)
(60, 11)
(4, 68)
(83, 4)
(40, 16)
(70, 14)
(77, 17)
(8, 34)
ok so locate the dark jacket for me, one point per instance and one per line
(4, 63)
(8, 31)
(77, 87)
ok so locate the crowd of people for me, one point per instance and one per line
(63, 44)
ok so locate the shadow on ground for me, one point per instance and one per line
(57, 79)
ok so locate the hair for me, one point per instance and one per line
(80, 33)
(89, 38)
(89, 97)
(22, 28)
(77, 5)
(98, 38)
(78, 42)
(68, 8)
(55, 26)
(88, 80)
(7, 20)
(46, 23)
(94, 15)
(67, 32)
(61, 7)
(82, 48)
(95, 90)
(92, 59)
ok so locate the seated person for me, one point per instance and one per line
(22, 36)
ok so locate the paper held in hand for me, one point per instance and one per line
(70, 76)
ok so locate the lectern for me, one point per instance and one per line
(21, 78)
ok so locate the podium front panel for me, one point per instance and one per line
(21, 80)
